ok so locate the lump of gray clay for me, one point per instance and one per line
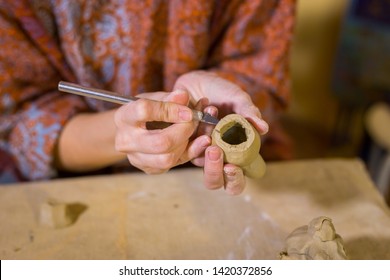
(316, 241)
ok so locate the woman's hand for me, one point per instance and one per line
(156, 151)
(228, 98)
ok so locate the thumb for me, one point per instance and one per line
(178, 96)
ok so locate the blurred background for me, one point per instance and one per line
(340, 68)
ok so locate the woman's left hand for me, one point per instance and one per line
(228, 98)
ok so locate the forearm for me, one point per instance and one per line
(87, 143)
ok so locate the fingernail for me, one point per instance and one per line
(214, 154)
(264, 126)
(179, 91)
(212, 111)
(205, 141)
(185, 115)
(229, 171)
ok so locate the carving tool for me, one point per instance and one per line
(114, 98)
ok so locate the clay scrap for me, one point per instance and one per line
(240, 143)
(316, 241)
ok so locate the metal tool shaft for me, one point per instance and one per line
(110, 96)
(94, 93)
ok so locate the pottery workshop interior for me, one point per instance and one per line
(195, 130)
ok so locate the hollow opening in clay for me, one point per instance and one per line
(234, 135)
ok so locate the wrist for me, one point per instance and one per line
(87, 143)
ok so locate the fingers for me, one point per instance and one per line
(196, 148)
(227, 96)
(213, 176)
(159, 141)
(205, 128)
(156, 151)
(159, 163)
(252, 113)
(218, 175)
(178, 96)
(234, 179)
(144, 110)
(156, 163)
(131, 119)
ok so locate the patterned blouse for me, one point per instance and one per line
(130, 47)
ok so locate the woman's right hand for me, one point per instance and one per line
(157, 151)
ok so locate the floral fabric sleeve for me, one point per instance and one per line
(254, 52)
(32, 111)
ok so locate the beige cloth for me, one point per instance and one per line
(172, 216)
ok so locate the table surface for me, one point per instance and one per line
(172, 216)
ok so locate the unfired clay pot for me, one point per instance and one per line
(240, 143)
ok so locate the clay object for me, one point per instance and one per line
(316, 241)
(240, 143)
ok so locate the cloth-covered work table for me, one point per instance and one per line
(172, 216)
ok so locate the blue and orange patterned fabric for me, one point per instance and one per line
(129, 47)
